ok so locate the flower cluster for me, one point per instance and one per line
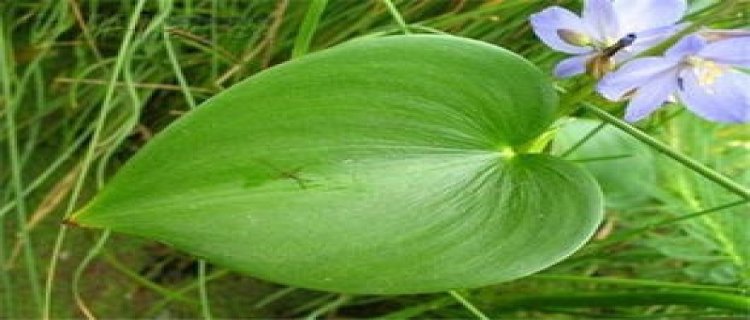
(707, 70)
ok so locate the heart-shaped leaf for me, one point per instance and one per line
(379, 166)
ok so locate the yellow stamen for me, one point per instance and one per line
(609, 41)
(706, 71)
(574, 38)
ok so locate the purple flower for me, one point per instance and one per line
(705, 76)
(608, 32)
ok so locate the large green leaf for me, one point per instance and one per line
(379, 166)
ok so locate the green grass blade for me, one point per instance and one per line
(89, 156)
(307, 29)
(468, 305)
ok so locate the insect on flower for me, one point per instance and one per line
(604, 62)
(607, 33)
(706, 76)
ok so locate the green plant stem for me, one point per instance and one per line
(343, 298)
(474, 310)
(177, 70)
(615, 299)
(151, 313)
(93, 252)
(273, 297)
(307, 29)
(214, 39)
(15, 167)
(42, 177)
(311, 303)
(89, 156)
(397, 16)
(659, 146)
(8, 305)
(603, 158)
(34, 128)
(635, 283)
(583, 140)
(205, 306)
(456, 18)
(142, 281)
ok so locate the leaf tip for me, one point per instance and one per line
(70, 222)
(74, 220)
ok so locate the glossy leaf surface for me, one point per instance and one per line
(378, 166)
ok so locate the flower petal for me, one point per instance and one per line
(735, 51)
(572, 66)
(601, 19)
(640, 15)
(548, 23)
(726, 100)
(648, 39)
(634, 74)
(688, 45)
(651, 96)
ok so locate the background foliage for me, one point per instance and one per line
(677, 247)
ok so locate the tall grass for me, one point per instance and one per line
(86, 83)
